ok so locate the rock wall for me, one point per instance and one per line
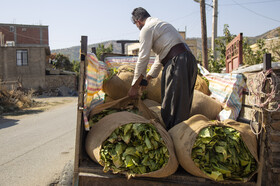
(57, 81)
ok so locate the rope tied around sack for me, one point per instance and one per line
(260, 99)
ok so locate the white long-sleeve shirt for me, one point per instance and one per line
(160, 37)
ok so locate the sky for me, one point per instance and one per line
(103, 20)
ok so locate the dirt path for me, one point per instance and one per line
(39, 105)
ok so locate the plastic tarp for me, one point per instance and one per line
(227, 88)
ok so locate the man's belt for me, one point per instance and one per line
(174, 51)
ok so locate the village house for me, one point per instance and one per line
(23, 53)
(24, 59)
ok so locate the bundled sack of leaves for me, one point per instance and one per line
(154, 89)
(202, 104)
(129, 144)
(201, 84)
(124, 104)
(221, 151)
(118, 82)
(205, 105)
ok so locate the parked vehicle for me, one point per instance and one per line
(87, 172)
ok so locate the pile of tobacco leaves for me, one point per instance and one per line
(134, 148)
(221, 154)
(108, 111)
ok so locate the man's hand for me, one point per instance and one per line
(149, 78)
(133, 92)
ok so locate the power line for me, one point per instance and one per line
(256, 2)
(255, 12)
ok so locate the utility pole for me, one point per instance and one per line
(203, 34)
(214, 28)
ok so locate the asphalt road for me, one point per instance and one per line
(35, 148)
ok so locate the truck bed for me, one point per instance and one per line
(91, 173)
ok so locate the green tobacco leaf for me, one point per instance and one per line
(127, 128)
(120, 148)
(128, 161)
(205, 133)
(117, 161)
(129, 151)
(148, 142)
(215, 175)
(126, 138)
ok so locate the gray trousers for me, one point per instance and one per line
(177, 87)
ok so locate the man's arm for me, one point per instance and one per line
(155, 69)
(134, 89)
(142, 62)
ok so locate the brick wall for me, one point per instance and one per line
(269, 140)
(272, 144)
(25, 34)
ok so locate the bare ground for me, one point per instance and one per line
(40, 104)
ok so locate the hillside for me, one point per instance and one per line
(269, 34)
(73, 52)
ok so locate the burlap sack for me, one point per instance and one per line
(157, 111)
(205, 105)
(122, 104)
(201, 85)
(202, 104)
(154, 89)
(103, 129)
(150, 103)
(118, 85)
(185, 133)
(108, 99)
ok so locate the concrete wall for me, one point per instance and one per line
(32, 75)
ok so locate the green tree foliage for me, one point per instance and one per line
(221, 43)
(250, 57)
(62, 62)
(76, 66)
(101, 49)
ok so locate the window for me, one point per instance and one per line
(12, 28)
(22, 57)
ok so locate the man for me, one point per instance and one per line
(179, 66)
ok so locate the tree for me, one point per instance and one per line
(221, 43)
(101, 49)
(250, 57)
(76, 66)
(62, 62)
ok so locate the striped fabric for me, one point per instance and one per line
(226, 88)
(116, 62)
(95, 73)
